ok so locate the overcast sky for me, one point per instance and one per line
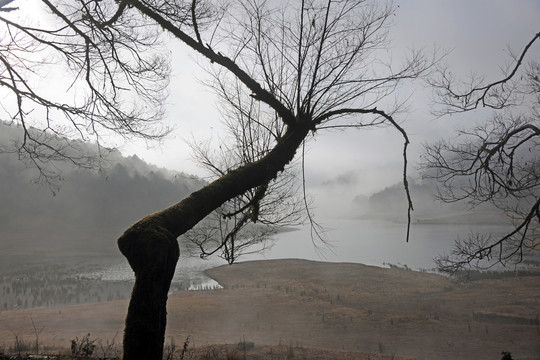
(343, 165)
(477, 33)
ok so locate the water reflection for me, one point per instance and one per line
(189, 274)
(374, 242)
(369, 242)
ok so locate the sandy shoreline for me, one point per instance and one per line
(341, 306)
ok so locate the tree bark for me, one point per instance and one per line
(152, 252)
(152, 249)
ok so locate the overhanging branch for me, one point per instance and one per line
(390, 119)
(258, 92)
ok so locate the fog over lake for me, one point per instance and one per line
(375, 242)
(370, 242)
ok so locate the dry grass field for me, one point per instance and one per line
(335, 310)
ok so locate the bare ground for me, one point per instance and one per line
(336, 310)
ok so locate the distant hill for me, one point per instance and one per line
(90, 210)
(391, 204)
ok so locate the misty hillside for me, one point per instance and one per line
(391, 204)
(91, 208)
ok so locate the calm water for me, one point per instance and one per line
(373, 242)
(359, 241)
(189, 274)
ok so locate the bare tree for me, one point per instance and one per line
(116, 82)
(496, 162)
(285, 70)
(253, 217)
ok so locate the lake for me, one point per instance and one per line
(370, 242)
(375, 242)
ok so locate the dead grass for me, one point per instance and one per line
(281, 352)
(345, 308)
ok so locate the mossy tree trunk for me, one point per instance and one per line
(152, 249)
(152, 253)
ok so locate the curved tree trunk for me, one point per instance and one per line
(152, 253)
(152, 249)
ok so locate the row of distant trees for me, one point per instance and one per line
(90, 209)
(284, 73)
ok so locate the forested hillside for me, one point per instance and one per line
(90, 209)
(390, 203)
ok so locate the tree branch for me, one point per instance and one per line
(390, 119)
(258, 92)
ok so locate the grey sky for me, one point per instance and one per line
(476, 32)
